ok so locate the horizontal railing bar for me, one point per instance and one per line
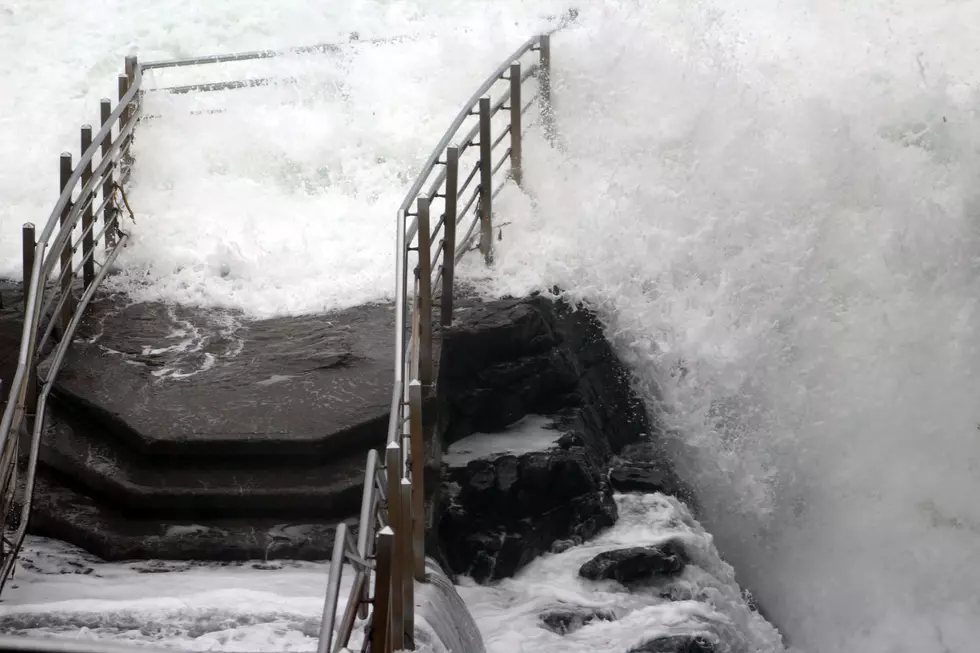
(502, 136)
(469, 178)
(466, 239)
(320, 48)
(206, 87)
(501, 162)
(468, 205)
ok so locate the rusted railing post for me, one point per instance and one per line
(88, 267)
(408, 582)
(124, 159)
(486, 182)
(381, 617)
(29, 249)
(425, 291)
(449, 238)
(393, 468)
(418, 478)
(516, 170)
(68, 307)
(108, 214)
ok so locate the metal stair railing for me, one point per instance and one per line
(89, 197)
(462, 177)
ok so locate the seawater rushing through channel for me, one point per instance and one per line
(772, 204)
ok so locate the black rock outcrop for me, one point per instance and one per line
(567, 620)
(501, 362)
(637, 563)
(676, 644)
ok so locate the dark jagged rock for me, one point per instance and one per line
(637, 563)
(645, 468)
(567, 620)
(676, 644)
(504, 512)
(509, 358)
(502, 361)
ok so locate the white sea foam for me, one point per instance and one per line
(772, 203)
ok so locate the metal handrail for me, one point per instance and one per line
(41, 255)
(392, 507)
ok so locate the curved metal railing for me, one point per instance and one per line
(89, 195)
(462, 177)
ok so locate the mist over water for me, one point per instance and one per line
(774, 206)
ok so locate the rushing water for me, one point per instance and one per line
(772, 203)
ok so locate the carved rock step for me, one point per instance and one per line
(180, 380)
(141, 486)
(62, 513)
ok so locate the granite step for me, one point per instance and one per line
(63, 512)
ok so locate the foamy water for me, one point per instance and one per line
(771, 203)
(774, 209)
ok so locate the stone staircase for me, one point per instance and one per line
(179, 433)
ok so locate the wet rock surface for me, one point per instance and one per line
(506, 360)
(567, 620)
(185, 381)
(676, 644)
(637, 563)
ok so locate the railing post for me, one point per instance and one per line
(393, 467)
(130, 66)
(68, 307)
(333, 589)
(425, 291)
(29, 242)
(418, 478)
(486, 182)
(105, 109)
(449, 239)
(381, 618)
(547, 115)
(88, 267)
(124, 118)
(516, 170)
(408, 587)
(367, 517)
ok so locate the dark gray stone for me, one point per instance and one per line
(65, 514)
(676, 644)
(567, 620)
(637, 563)
(176, 380)
(503, 512)
(644, 467)
(501, 361)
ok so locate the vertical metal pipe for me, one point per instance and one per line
(124, 118)
(408, 588)
(123, 89)
(381, 619)
(393, 467)
(516, 170)
(425, 291)
(486, 182)
(418, 478)
(88, 268)
(29, 242)
(547, 115)
(366, 522)
(130, 67)
(449, 238)
(105, 110)
(333, 590)
(68, 307)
